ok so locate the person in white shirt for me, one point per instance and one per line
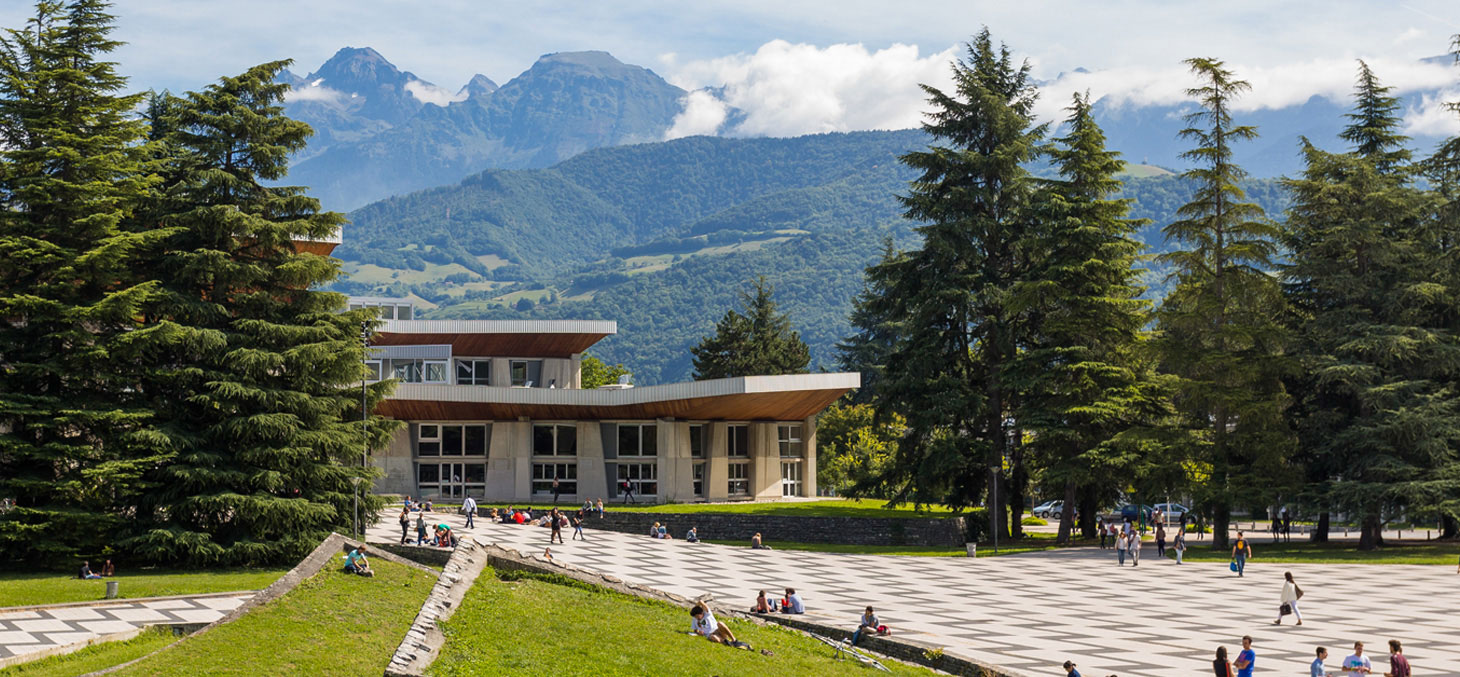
(1290, 598)
(1135, 550)
(469, 506)
(1122, 544)
(1357, 664)
(703, 623)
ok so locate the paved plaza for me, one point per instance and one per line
(1029, 613)
(23, 632)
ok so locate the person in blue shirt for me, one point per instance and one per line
(356, 563)
(1070, 669)
(792, 604)
(1316, 669)
(1247, 660)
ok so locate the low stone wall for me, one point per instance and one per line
(914, 531)
(429, 555)
(423, 641)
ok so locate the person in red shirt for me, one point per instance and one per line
(1398, 664)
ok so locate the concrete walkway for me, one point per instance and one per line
(41, 628)
(1029, 613)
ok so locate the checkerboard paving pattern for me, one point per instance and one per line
(23, 632)
(1031, 612)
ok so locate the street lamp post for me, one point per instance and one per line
(994, 507)
(364, 419)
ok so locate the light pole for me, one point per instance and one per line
(364, 417)
(994, 508)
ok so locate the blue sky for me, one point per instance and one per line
(858, 59)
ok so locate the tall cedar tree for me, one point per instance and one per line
(947, 373)
(74, 436)
(1443, 172)
(261, 392)
(1381, 420)
(1219, 330)
(866, 351)
(1086, 373)
(759, 342)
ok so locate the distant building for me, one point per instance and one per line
(494, 410)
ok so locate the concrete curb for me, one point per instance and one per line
(123, 600)
(179, 629)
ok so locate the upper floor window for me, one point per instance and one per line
(451, 440)
(554, 440)
(789, 436)
(473, 372)
(635, 439)
(419, 371)
(373, 370)
(737, 441)
(526, 373)
(697, 441)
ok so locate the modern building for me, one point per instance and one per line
(495, 410)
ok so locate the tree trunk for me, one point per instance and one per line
(1067, 517)
(1449, 527)
(1088, 507)
(1221, 523)
(1369, 536)
(1320, 532)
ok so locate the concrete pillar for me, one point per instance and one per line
(397, 463)
(590, 462)
(717, 466)
(522, 454)
(765, 464)
(501, 466)
(501, 372)
(808, 469)
(575, 377)
(676, 467)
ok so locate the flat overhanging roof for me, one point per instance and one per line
(498, 338)
(746, 398)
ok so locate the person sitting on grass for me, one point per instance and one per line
(703, 623)
(755, 543)
(356, 563)
(868, 623)
(693, 536)
(108, 570)
(85, 572)
(761, 605)
(792, 603)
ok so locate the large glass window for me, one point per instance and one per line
(644, 477)
(473, 372)
(638, 439)
(451, 480)
(791, 478)
(373, 370)
(789, 436)
(739, 479)
(543, 475)
(737, 441)
(419, 371)
(697, 441)
(452, 440)
(554, 440)
(699, 475)
(526, 373)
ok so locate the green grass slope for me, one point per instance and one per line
(27, 589)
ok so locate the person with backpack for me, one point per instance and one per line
(868, 623)
(1241, 550)
(1288, 604)
(405, 524)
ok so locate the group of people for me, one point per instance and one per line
(85, 572)
(1355, 665)
(1126, 539)
(790, 604)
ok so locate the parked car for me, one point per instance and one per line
(1135, 513)
(1172, 511)
(1052, 510)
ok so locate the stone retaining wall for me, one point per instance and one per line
(913, 531)
(423, 641)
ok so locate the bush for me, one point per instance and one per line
(1032, 521)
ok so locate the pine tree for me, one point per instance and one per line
(260, 385)
(948, 372)
(1443, 172)
(74, 435)
(1086, 374)
(1219, 330)
(758, 342)
(866, 351)
(1380, 420)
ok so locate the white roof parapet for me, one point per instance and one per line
(741, 385)
(498, 327)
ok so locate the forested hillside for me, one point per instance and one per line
(662, 236)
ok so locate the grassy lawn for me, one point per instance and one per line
(533, 627)
(831, 507)
(1342, 552)
(25, 589)
(94, 657)
(332, 624)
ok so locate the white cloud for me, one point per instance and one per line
(702, 114)
(313, 92)
(1434, 115)
(426, 92)
(787, 89)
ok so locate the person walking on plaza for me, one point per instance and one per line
(1289, 602)
(469, 506)
(557, 490)
(1135, 549)
(1122, 542)
(1104, 534)
(1357, 663)
(1161, 540)
(405, 525)
(1316, 669)
(1241, 550)
(628, 489)
(1247, 660)
(1398, 664)
(1220, 666)
(578, 528)
(1180, 544)
(555, 520)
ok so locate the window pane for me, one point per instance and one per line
(476, 472)
(373, 368)
(697, 441)
(476, 440)
(403, 313)
(436, 372)
(628, 440)
(542, 440)
(451, 440)
(387, 312)
(650, 446)
(519, 373)
(463, 373)
(567, 440)
(428, 449)
(430, 431)
(428, 473)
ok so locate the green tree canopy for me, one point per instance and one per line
(596, 372)
(756, 342)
